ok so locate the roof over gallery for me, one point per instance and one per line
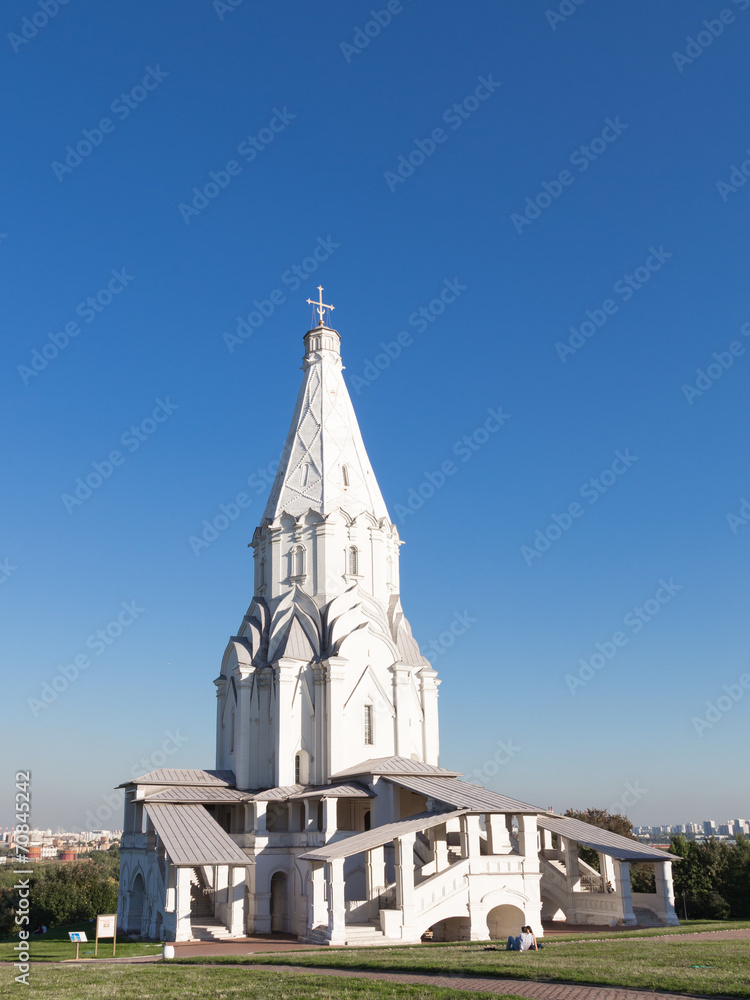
(622, 848)
(394, 765)
(462, 794)
(379, 835)
(182, 776)
(191, 836)
(207, 793)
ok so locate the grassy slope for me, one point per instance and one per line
(55, 946)
(170, 982)
(640, 962)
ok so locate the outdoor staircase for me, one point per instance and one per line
(209, 930)
(361, 935)
(646, 917)
(203, 925)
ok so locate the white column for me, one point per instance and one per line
(430, 728)
(375, 876)
(242, 752)
(335, 744)
(498, 837)
(285, 671)
(317, 914)
(182, 923)
(221, 690)
(401, 699)
(665, 891)
(470, 834)
(310, 815)
(623, 883)
(405, 881)
(572, 869)
(440, 847)
(261, 772)
(330, 818)
(478, 929)
(527, 842)
(236, 907)
(336, 904)
(607, 869)
(319, 770)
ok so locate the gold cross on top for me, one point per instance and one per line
(320, 306)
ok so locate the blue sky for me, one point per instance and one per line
(550, 168)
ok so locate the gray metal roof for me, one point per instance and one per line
(613, 844)
(462, 794)
(394, 765)
(279, 794)
(182, 776)
(207, 794)
(191, 836)
(378, 836)
(343, 790)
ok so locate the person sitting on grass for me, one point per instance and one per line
(524, 942)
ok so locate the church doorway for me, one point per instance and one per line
(135, 912)
(504, 921)
(278, 903)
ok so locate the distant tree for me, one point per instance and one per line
(641, 873)
(614, 822)
(61, 894)
(713, 878)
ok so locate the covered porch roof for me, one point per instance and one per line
(621, 848)
(461, 794)
(379, 835)
(191, 836)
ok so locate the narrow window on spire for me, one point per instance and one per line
(353, 567)
(368, 725)
(298, 561)
(262, 573)
(305, 474)
(345, 475)
(301, 768)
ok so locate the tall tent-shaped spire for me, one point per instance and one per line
(324, 464)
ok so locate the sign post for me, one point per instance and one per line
(78, 938)
(106, 927)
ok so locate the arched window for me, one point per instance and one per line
(262, 573)
(298, 561)
(353, 561)
(345, 475)
(368, 734)
(301, 768)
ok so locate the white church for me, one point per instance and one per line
(328, 814)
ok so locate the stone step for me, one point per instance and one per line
(361, 934)
(646, 917)
(209, 930)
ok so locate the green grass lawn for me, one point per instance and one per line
(686, 927)
(55, 946)
(636, 962)
(180, 982)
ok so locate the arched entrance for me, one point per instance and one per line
(135, 910)
(278, 903)
(505, 920)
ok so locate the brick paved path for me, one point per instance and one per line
(476, 984)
